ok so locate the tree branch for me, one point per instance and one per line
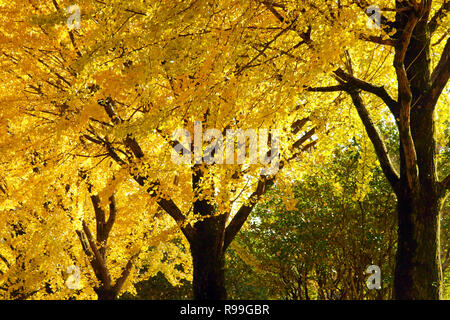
(305, 137)
(379, 91)
(125, 273)
(378, 40)
(298, 124)
(439, 77)
(166, 204)
(112, 216)
(271, 6)
(404, 90)
(103, 271)
(306, 36)
(349, 80)
(263, 185)
(84, 243)
(99, 217)
(375, 137)
(5, 261)
(405, 98)
(339, 87)
(244, 211)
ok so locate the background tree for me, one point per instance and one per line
(40, 242)
(414, 33)
(116, 92)
(343, 221)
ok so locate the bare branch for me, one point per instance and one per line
(244, 211)
(109, 105)
(305, 137)
(309, 146)
(84, 243)
(298, 125)
(404, 90)
(168, 206)
(405, 98)
(264, 183)
(375, 137)
(99, 217)
(5, 261)
(261, 52)
(340, 87)
(271, 6)
(379, 91)
(377, 39)
(306, 36)
(93, 140)
(132, 144)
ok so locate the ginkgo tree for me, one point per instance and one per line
(115, 90)
(134, 73)
(79, 244)
(152, 247)
(414, 38)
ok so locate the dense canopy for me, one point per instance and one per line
(93, 94)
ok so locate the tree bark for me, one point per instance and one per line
(208, 259)
(419, 193)
(105, 294)
(418, 272)
(209, 237)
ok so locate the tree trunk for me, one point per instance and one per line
(208, 259)
(418, 271)
(105, 294)
(419, 193)
(418, 267)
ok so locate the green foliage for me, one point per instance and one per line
(158, 288)
(321, 249)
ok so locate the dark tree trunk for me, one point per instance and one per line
(207, 247)
(418, 266)
(419, 192)
(208, 259)
(105, 294)
(418, 271)
(209, 237)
